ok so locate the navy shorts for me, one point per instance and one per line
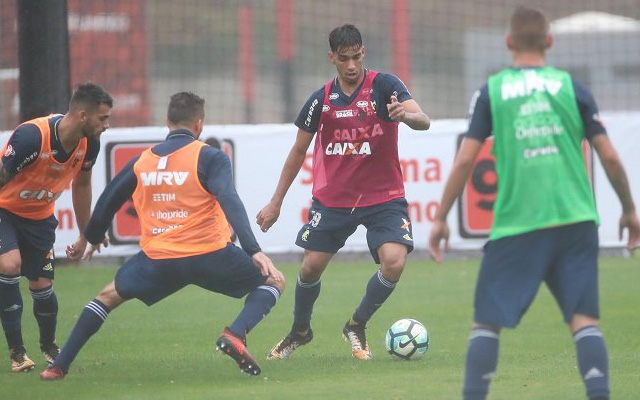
(229, 271)
(565, 258)
(34, 239)
(329, 227)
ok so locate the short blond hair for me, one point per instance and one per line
(529, 29)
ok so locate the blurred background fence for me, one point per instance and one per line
(257, 61)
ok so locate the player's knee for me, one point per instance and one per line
(392, 268)
(393, 257)
(580, 321)
(310, 273)
(110, 297)
(10, 264)
(494, 328)
(41, 283)
(279, 284)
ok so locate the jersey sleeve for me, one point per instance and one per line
(390, 85)
(115, 194)
(23, 148)
(309, 116)
(384, 86)
(93, 149)
(588, 111)
(214, 171)
(480, 123)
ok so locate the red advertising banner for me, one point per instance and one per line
(9, 102)
(107, 46)
(475, 206)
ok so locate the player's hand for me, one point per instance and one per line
(630, 222)
(95, 247)
(266, 266)
(439, 232)
(268, 216)
(396, 110)
(76, 250)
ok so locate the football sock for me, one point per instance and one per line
(45, 309)
(306, 296)
(481, 363)
(256, 306)
(89, 322)
(593, 361)
(378, 290)
(11, 309)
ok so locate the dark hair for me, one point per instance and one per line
(529, 29)
(344, 37)
(185, 107)
(213, 142)
(91, 96)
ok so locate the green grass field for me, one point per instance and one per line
(167, 351)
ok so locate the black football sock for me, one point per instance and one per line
(256, 306)
(481, 363)
(89, 322)
(45, 309)
(305, 297)
(11, 309)
(593, 361)
(378, 291)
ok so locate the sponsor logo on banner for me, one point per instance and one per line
(475, 205)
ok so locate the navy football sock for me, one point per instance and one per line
(256, 306)
(305, 298)
(481, 363)
(593, 361)
(11, 309)
(45, 309)
(90, 321)
(378, 290)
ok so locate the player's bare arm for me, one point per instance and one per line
(409, 112)
(95, 248)
(81, 197)
(270, 213)
(5, 176)
(617, 176)
(267, 268)
(460, 171)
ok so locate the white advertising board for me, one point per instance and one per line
(259, 152)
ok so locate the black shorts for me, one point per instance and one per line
(514, 267)
(329, 227)
(34, 239)
(229, 271)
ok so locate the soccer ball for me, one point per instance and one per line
(407, 339)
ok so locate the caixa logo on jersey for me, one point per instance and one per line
(125, 227)
(475, 205)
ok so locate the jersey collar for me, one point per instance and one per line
(180, 133)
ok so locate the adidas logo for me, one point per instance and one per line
(489, 376)
(593, 373)
(407, 237)
(14, 307)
